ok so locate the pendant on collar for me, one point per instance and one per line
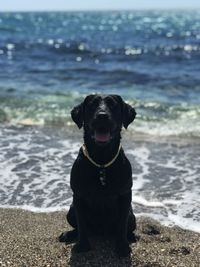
(102, 176)
(102, 168)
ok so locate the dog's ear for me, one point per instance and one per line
(77, 115)
(129, 114)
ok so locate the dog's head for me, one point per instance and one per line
(103, 116)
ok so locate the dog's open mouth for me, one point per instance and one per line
(102, 135)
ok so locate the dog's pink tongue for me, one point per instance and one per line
(102, 137)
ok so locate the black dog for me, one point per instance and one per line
(101, 177)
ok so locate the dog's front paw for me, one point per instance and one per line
(68, 237)
(123, 249)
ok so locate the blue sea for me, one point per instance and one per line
(50, 61)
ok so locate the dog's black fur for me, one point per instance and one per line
(97, 208)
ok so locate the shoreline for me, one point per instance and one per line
(72, 132)
(30, 239)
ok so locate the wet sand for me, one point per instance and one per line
(30, 239)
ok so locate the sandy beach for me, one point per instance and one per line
(30, 239)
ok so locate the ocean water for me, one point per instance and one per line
(50, 61)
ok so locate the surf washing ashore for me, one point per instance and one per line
(36, 163)
(49, 63)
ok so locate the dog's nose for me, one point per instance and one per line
(102, 115)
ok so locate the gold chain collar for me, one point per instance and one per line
(85, 152)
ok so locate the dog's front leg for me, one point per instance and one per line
(82, 244)
(122, 245)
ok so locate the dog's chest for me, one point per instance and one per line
(99, 179)
(89, 179)
(95, 182)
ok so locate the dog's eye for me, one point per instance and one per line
(93, 104)
(93, 107)
(111, 103)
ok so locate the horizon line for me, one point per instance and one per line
(105, 9)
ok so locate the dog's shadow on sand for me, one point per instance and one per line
(102, 254)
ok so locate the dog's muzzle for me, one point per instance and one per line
(102, 128)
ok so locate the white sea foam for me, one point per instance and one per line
(167, 188)
(141, 155)
(142, 201)
(36, 209)
(184, 124)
